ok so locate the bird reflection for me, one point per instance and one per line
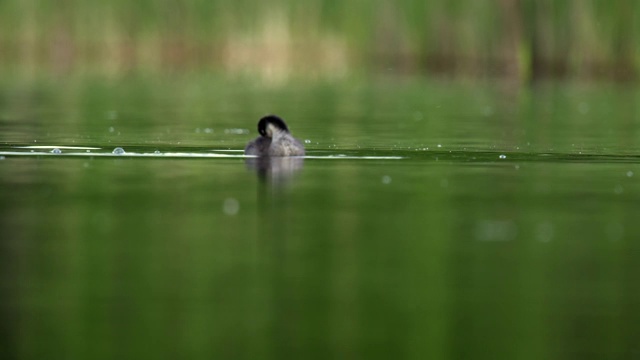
(275, 170)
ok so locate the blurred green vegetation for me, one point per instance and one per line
(279, 39)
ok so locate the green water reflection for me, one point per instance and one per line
(436, 255)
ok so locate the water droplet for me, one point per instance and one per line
(118, 151)
(2, 157)
(502, 156)
(629, 173)
(386, 179)
(88, 151)
(496, 230)
(614, 231)
(111, 115)
(111, 129)
(35, 141)
(56, 151)
(307, 141)
(545, 232)
(208, 130)
(157, 152)
(439, 145)
(231, 206)
(236, 131)
(583, 108)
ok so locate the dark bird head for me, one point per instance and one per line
(273, 120)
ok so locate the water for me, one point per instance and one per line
(428, 221)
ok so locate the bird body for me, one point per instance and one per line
(274, 140)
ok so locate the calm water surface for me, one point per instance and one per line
(430, 221)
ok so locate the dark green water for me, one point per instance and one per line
(505, 228)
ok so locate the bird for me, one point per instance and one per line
(274, 140)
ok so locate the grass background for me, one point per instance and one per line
(276, 40)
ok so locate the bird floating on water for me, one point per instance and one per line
(274, 140)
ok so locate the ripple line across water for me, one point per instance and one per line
(360, 154)
(177, 155)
